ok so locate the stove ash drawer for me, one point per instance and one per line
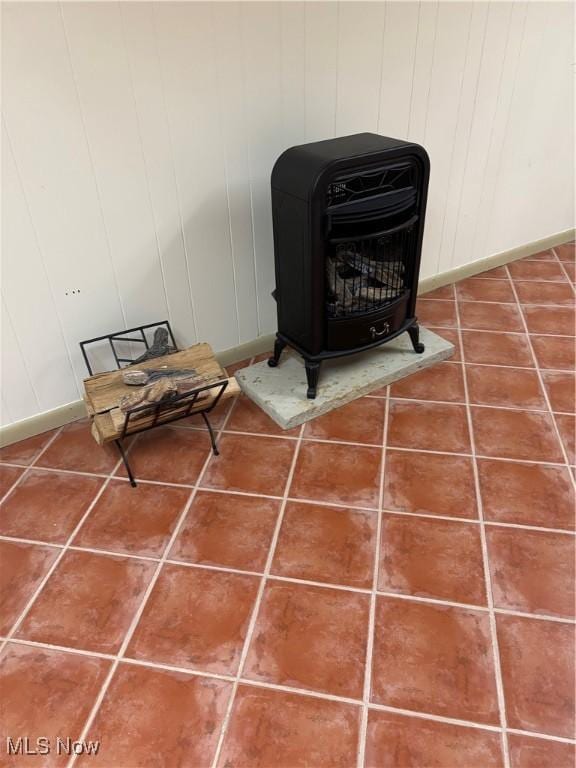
(353, 332)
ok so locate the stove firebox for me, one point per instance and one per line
(348, 218)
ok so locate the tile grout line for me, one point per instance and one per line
(60, 556)
(298, 691)
(313, 583)
(523, 527)
(547, 736)
(53, 469)
(548, 281)
(58, 648)
(148, 591)
(309, 693)
(474, 363)
(312, 502)
(460, 300)
(336, 442)
(479, 456)
(525, 280)
(439, 328)
(486, 563)
(462, 404)
(173, 561)
(28, 467)
(563, 268)
(481, 275)
(541, 379)
(284, 688)
(373, 595)
(468, 723)
(206, 489)
(421, 401)
(436, 718)
(10, 491)
(257, 603)
(491, 365)
(165, 667)
(534, 616)
(530, 258)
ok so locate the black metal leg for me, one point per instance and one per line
(212, 436)
(312, 372)
(279, 345)
(126, 464)
(414, 333)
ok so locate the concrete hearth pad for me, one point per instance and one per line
(281, 391)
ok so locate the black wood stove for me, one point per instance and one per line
(348, 218)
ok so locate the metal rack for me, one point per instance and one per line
(121, 337)
(366, 274)
(161, 413)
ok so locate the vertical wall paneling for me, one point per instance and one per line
(422, 71)
(231, 87)
(451, 45)
(261, 32)
(28, 295)
(17, 389)
(138, 140)
(530, 156)
(321, 56)
(398, 60)
(186, 46)
(485, 108)
(99, 61)
(139, 37)
(43, 118)
(360, 32)
(476, 50)
(508, 83)
(5, 415)
(293, 71)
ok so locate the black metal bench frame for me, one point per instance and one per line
(164, 412)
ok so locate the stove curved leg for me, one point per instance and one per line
(414, 333)
(312, 372)
(279, 345)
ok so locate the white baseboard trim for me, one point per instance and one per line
(42, 422)
(495, 260)
(64, 414)
(247, 350)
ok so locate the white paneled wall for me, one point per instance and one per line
(138, 140)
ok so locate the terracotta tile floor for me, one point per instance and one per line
(390, 585)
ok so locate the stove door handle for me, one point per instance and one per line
(375, 333)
